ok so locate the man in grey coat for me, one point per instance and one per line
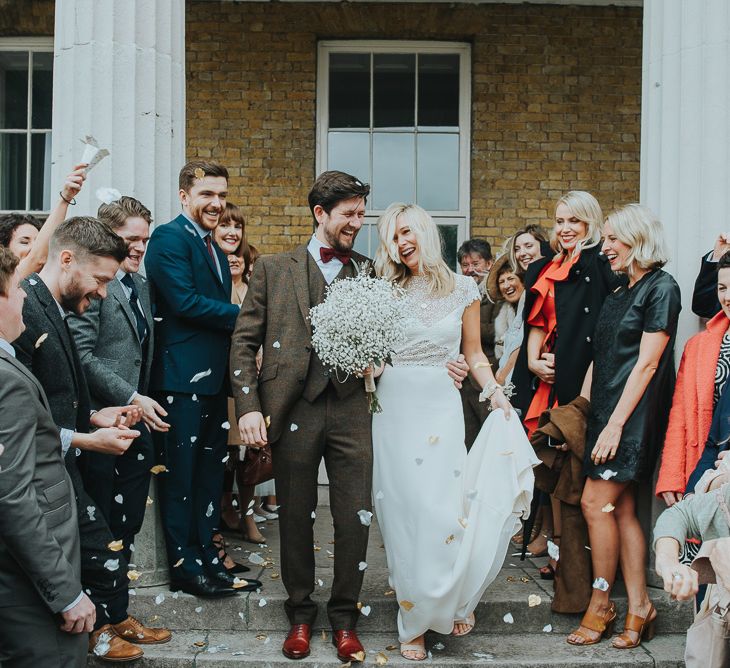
(44, 615)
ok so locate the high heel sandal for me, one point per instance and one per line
(470, 621)
(643, 626)
(220, 545)
(420, 650)
(601, 624)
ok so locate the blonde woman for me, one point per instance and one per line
(633, 377)
(444, 548)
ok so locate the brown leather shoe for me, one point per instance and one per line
(108, 646)
(296, 645)
(349, 647)
(132, 630)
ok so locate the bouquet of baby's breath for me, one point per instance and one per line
(359, 325)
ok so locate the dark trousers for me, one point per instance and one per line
(108, 478)
(337, 429)
(103, 572)
(475, 412)
(30, 637)
(190, 490)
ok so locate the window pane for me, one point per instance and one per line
(42, 89)
(349, 90)
(366, 240)
(449, 243)
(13, 89)
(393, 177)
(438, 171)
(349, 152)
(438, 90)
(40, 172)
(394, 90)
(12, 171)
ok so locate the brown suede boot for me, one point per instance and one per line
(108, 646)
(132, 630)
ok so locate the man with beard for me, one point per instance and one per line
(84, 255)
(475, 259)
(191, 286)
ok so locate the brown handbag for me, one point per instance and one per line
(257, 465)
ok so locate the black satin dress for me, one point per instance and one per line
(651, 305)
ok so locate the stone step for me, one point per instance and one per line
(221, 649)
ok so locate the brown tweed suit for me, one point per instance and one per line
(312, 416)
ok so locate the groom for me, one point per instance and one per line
(312, 414)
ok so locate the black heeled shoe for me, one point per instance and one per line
(220, 545)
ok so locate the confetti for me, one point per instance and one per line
(242, 616)
(194, 397)
(362, 565)
(245, 389)
(438, 646)
(256, 558)
(433, 440)
(365, 610)
(200, 375)
(601, 584)
(237, 373)
(32, 281)
(463, 522)
(267, 420)
(450, 539)
(380, 659)
(508, 618)
(107, 194)
(199, 173)
(293, 427)
(209, 510)
(103, 644)
(199, 643)
(41, 339)
(358, 656)
(533, 600)
(159, 599)
(608, 508)
(149, 501)
(380, 496)
(553, 550)
(158, 468)
(313, 515)
(276, 344)
(116, 545)
(608, 474)
(406, 605)
(320, 582)
(112, 564)
(90, 511)
(392, 648)
(157, 319)
(548, 628)
(199, 609)
(225, 459)
(133, 575)
(140, 457)
(262, 603)
(169, 399)
(226, 425)
(119, 498)
(419, 461)
(193, 439)
(178, 562)
(457, 474)
(366, 517)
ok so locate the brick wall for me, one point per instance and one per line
(556, 95)
(29, 18)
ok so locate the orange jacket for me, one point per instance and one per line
(691, 414)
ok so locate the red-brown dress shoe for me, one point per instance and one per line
(349, 647)
(132, 630)
(296, 645)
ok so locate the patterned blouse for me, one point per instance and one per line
(722, 372)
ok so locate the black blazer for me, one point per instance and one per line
(578, 302)
(47, 349)
(704, 297)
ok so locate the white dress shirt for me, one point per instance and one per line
(329, 269)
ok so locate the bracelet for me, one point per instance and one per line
(491, 388)
(72, 201)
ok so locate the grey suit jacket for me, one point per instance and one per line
(40, 562)
(111, 353)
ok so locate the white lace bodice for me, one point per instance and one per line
(434, 332)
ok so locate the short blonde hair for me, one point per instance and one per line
(585, 208)
(637, 227)
(431, 264)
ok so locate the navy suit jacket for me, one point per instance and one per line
(194, 316)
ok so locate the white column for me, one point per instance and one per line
(119, 75)
(685, 131)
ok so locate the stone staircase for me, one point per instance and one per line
(247, 630)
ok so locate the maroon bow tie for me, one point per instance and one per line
(328, 253)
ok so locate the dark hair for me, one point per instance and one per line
(506, 268)
(8, 263)
(249, 258)
(478, 246)
(115, 214)
(11, 221)
(190, 172)
(232, 213)
(724, 261)
(88, 236)
(333, 187)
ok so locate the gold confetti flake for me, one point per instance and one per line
(524, 579)
(359, 605)
(533, 600)
(133, 575)
(116, 545)
(274, 576)
(388, 592)
(380, 659)
(179, 562)
(608, 508)
(482, 365)
(463, 522)
(267, 421)
(41, 339)
(391, 648)
(261, 636)
(358, 656)
(237, 584)
(158, 468)
(406, 605)
(149, 501)
(154, 618)
(450, 539)
(200, 643)
(433, 440)
(199, 173)
(324, 635)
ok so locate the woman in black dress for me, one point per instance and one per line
(633, 377)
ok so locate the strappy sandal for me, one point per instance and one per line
(414, 647)
(601, 624)
(223, 556)
(470, 621)
(643, 626)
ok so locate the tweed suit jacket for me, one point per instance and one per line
(40, 560)
(275, 315)
(111, 353)
(48, 350)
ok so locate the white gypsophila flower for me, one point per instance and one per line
(359, 324)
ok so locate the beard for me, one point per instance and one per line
(196, 213)
(72, 298)
(338, 243)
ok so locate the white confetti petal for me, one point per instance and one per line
(32, 281)
(103, 644)
(553, 550)
(362, 565)
(379, 496)
(140, 457)
(262, 603)
(313, 515)
(533, 600)
(91, 510)
(200, 375)
(119, 498)
(194, 397)
(276, 344)
(293, 427)
(193, 439)
(601, 584)
(365, 610)
(209, 510)
(366, 517)
(608, 508)
(237, 373)
(226, 425)
(107, 194)
(320, 582)
(245, 389)
(199, 609)
(548, 628)
(508, 618)
(256, 558)
(608, 474)
(112, 564)
(159, 599)
(242, 616)
(169, 399)
(157, 319)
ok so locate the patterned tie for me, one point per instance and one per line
(134, 303)
(209, 246)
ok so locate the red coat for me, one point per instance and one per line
(692, 406)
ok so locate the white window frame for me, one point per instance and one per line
(460, 216)
(34, 45)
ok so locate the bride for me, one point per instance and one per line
(446, 516)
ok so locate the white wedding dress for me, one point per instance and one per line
(446, 517)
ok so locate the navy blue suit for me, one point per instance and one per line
(194, 319)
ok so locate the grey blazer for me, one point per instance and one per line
(114, 361)
(40, 562)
